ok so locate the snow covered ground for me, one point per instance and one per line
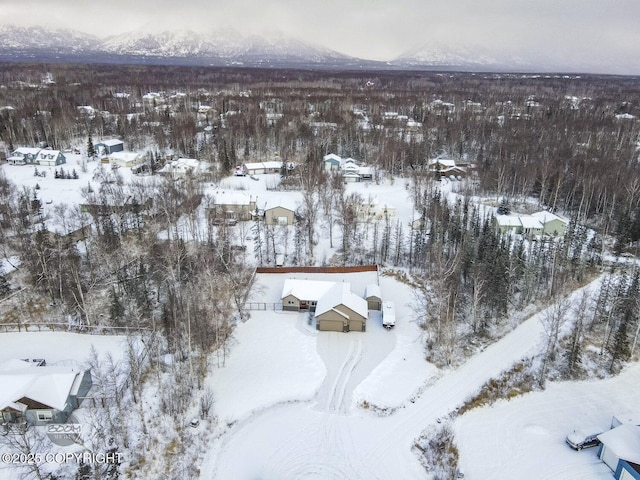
(333, 436)
(59, 347)
(273, 361)
(525, 437)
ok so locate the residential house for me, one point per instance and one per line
(300, 295)
(259, 168)
(530, 225)
(332, 162)
(552, 224)
(125, 159)
(618, 445)
(373, 209)
(23, 156)
(446, 167)
(38, 394)
(51, 158)
(232, 205)
(349, 177)
(539, 223)
(107, 147)
(341, 310)
(182, 167)
(508, 223)
(348, 167)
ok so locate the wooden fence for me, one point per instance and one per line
(356, 269)
(63, 327)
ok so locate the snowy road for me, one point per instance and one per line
(328, 440)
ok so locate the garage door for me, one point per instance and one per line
(609, 457)
(356, 326)
(330, 325)
(626, 476)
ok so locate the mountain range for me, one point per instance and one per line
(231, 48)
(226, 48)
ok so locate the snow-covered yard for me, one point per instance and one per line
(525, 437)
(335, 433)
(59, 347)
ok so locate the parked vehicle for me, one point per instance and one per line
(388, 315)
(579, 439)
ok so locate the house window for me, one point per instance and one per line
(45, 416)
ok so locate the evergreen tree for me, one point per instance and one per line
(573, 354)
(91, 151)
(116, 309)
(620, 350)
(504, 208)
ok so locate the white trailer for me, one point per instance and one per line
(388, 315)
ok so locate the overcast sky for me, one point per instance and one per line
(376, 29)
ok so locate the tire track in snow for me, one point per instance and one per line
(355, 354)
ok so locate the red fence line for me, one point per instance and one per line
(356, 269)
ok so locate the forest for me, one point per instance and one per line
(144, 260)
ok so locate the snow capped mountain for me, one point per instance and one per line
(227, 45)
(183, 47)
(451, 55)
(169, 44)
(22, 39)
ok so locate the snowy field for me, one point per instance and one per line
(59, 347)
(334, 436)
(524, 438)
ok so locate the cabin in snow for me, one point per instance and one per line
(38, 394)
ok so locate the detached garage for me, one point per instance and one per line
(620, 443)
(373, 297)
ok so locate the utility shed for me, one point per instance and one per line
(373, 297)
(341, 310)
(620, 443)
